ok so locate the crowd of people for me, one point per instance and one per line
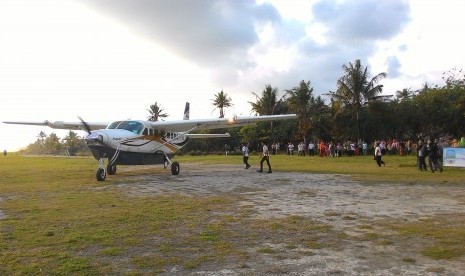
(428, 152)
(360, 148)
(323, 149)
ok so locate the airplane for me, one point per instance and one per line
(138, 142)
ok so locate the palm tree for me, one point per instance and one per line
(355, 90)
(71, 142)
(300, 100)
(156, 112)
(268, 103)
(221, 101)
(41, 136)
(404, 94)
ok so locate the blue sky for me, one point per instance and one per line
(105, 60)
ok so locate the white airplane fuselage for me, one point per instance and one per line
(135, 143)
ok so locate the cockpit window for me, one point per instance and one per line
(114, 125)
(133, 126)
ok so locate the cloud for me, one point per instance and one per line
(393, 67)
(207, 32)
(362, 20)
(250, 42)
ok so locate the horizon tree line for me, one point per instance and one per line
(356, 111)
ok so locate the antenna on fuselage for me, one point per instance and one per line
(186, 111)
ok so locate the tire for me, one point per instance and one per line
(111, 170)
(101, 174)
(175, 168)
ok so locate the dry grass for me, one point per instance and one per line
(57, 222)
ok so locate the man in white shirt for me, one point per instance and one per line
(245, 155)
(311, 149)
(265, 157)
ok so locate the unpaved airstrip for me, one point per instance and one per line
(347, 206)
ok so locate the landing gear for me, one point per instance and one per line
(175, 168)
(173, 165)
(111, 169)
(101, 174)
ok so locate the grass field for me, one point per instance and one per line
(398, 169)
(56, 219)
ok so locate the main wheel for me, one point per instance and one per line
(101, 174)
(175, 168)
(111, 169)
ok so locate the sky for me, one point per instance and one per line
(108, 60)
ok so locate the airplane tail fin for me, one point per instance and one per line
(186, 111)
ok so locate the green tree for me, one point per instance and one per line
(53, 144)
(320, 118)
(268, 103)
(404, 94)
(300, 99)
(156, 112)
(41, 136)
(72, 143)
(355, 89)
(222, 101)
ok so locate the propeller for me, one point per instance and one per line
(86, 126)
(90, 137)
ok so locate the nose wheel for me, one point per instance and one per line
(101, 174)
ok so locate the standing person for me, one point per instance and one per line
(265, 157)
(311, 149)
(245, 155)
(421, 154)
(378, 155)
(290, 148)
(322, 149)
(433, 156)
(339, 149)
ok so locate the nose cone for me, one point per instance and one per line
(96, 138)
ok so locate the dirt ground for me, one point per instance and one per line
(330, 199)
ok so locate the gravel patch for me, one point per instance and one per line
(335, 200)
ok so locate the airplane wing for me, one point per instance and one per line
(204, 124)
(169, 126)
(64, 125)
(201, 136)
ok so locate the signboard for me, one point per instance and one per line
(454, 157)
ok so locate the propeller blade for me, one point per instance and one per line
(86, 126)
